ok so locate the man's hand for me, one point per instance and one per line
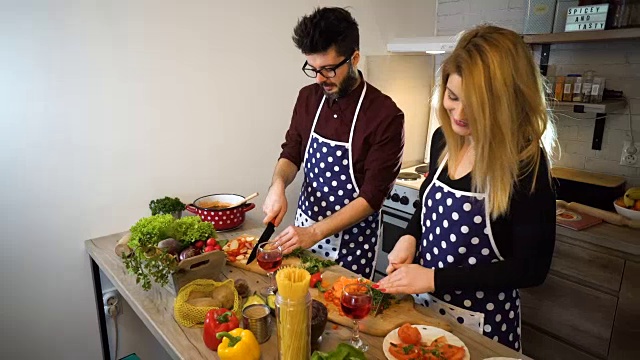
(275, 205)
(403, 252)
(408, 279)
(294, 237)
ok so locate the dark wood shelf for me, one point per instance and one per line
(583, 36)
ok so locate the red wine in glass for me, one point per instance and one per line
(269, 261)
(269, 258)
(357, 306)
(355, 303)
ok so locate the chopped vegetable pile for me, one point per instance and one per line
(332, 294)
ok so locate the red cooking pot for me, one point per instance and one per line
(211, 208)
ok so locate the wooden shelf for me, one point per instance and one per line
(583, 36)
(606, 106)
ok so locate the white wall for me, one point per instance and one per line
(105, 105)
(408, 79)
(617, 61)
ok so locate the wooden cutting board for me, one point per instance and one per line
(380, 325)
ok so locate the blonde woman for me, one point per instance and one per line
(486, 226)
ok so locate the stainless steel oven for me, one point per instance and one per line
(393, 224)
(397, 210)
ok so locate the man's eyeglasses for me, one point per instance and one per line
(328, 71)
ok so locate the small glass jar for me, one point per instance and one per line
(597, 89)
(559, 87)
(577, 88)
(567, 94)
(293, 322)
(587, 83)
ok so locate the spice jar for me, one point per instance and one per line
(597, 89)
(577, 88)
(587, 83)
(567, 94)
(559, 88)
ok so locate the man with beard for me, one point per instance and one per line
(348, 138)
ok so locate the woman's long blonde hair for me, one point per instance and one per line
(504, 104)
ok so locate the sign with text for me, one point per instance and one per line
(586, 18)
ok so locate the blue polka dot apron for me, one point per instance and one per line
(456, 232)
(329, 185)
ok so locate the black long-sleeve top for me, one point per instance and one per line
(525, 236)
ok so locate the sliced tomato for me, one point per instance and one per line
(452, 352)
(405, 351)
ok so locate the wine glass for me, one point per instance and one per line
(355, 303)
(270, 258)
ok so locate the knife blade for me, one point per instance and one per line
(266, 235)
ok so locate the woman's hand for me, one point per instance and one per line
(408, 279)
(402, 253)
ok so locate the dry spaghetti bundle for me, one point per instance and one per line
(293, 312)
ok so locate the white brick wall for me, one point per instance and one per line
(618, 62)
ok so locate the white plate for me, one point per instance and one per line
(429, 333)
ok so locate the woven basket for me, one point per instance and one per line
(189, 315)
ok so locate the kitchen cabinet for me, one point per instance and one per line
(589, 305)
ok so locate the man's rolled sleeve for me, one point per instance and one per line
(383, 162)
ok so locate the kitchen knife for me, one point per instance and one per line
(266, 235)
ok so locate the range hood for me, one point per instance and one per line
(430, 45)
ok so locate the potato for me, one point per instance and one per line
(224, 296)
(204, 302)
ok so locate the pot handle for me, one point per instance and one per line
(192, 209)
(248, 207)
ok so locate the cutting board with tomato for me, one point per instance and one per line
(238, 250)
(400, 312)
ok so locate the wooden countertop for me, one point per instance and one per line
(612, 239)
(155, 309)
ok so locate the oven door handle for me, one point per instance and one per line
(394, 219)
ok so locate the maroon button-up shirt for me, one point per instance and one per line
(378, 138)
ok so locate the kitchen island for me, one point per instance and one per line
(155, 309)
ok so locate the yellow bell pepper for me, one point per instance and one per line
(238, 344)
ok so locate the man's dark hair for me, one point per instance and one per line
(324, 28)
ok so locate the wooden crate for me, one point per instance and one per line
(204, 266)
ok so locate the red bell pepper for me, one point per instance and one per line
(315, 279)
(218, 320)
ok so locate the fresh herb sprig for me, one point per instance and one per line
(166, 205)
(379, 300)
(310, 262)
